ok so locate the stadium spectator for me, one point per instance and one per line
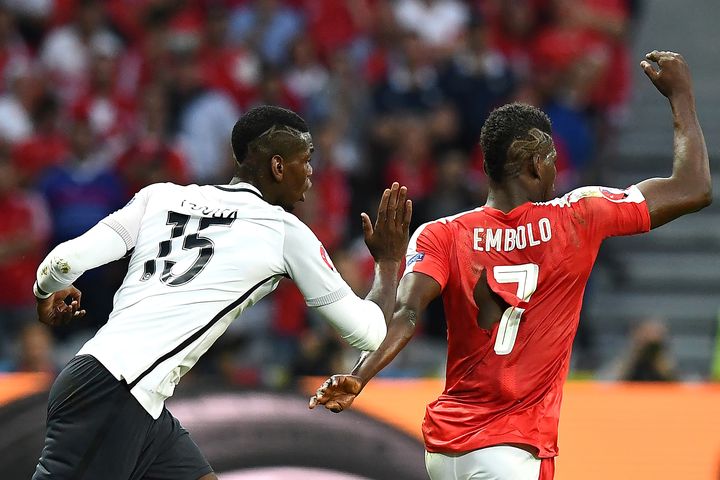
(13, 49)
(600, 28)
(150, 161)
(83, 189)
(410, 85)
(475, 80)
(411, 161)
(232, 68)
(201, 119)
(453, 191)
(110, 111)
(67, 50)
(349, 106)
(647, 358)
(148, 59)
(46, 147)
(273, 91)
(151, 156)
(267, 25)
(34, 351)
(24, 233)
(440, 23)
(337, 25)
(513, 25)
(18, 102)
(384, 35)
(317, 352)
(307, 79)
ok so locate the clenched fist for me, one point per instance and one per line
(672, 77)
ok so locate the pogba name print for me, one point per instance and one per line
(508, 239)
(206, 211)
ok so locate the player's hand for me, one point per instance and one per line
(672, 77)
(337, 393)
(388, 239)
(54, 310)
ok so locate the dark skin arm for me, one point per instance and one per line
(415, 292)
(689, 188)
(387, 242)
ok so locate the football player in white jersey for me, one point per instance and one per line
(199, 256)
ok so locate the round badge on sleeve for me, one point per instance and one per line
(326, 258)
(614, 194)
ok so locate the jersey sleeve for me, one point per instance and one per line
(429, 252)
(69, 260)
(126, 221)
(359, 322)
(309, 266)
(610, 212)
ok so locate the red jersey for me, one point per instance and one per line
(504, 385)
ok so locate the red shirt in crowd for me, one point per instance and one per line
(32, 156)
(504, 384)
(25, 218)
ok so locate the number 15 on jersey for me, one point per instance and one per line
(204, 245)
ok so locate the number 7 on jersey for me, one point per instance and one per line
(526, 277)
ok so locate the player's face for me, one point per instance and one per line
(296, 179)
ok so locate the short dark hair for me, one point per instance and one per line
(504, 126)
(258, 121)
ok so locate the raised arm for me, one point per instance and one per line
(387, 242)
(360, 322)
(415, 292)
(689, 188)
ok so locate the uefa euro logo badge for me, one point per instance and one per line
(614, 194)
(415, 258)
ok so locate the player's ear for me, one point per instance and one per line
(277, 168)
(534, 167)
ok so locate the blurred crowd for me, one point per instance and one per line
(100, 98)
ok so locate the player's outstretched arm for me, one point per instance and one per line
(415, 292)
(64, 264)
(109, 240)
(387, 241)
(689, 188)
(362, 323)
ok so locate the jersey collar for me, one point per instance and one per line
(512, 213)
(240, 187)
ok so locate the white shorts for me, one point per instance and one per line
(500, 462)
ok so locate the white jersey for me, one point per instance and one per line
(200, 256)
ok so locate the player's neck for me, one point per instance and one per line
(239, 178)
(269, 193)
(236, 179)
(507, 197)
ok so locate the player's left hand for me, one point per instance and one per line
(388, 239)
(54, 310)
(337, 393)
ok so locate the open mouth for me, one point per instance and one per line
(308, 185)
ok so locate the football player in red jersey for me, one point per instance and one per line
(512, 275)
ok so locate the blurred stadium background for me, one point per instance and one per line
(99, 98)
